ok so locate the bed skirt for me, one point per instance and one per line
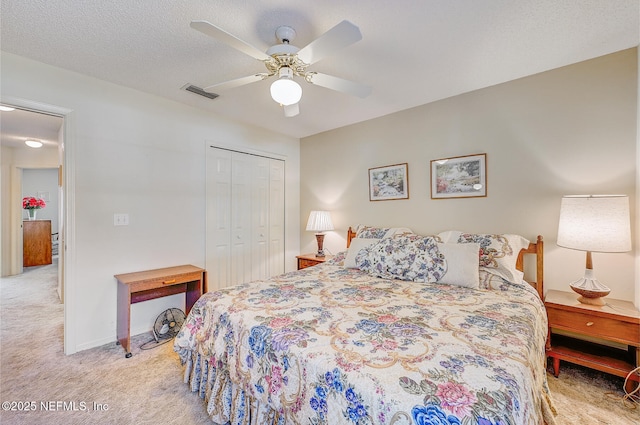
(226, 401)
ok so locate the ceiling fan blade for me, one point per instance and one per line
(221, 35)
(291, 110)
(237, 82)
(338, 84)
(338, 37)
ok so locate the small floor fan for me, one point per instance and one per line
(166, 327)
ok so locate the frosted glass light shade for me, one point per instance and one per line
(285, 91)
(598, 223)
(319, 221)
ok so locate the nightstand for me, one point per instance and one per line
(616, 322)
(308, 260)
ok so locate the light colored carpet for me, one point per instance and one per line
(144, 389)
(148, 387)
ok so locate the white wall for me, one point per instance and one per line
(6, 156)
(567, 131)
(142, 155)
(637, 240)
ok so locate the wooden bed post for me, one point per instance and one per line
(350, 235)
(540, 267)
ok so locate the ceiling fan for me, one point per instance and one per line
(287, 61)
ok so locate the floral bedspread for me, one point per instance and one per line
(330, 345)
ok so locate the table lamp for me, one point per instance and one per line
(594, 223)
(319, 222)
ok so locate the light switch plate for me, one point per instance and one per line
(121, 219)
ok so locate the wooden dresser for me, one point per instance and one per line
(36, 243)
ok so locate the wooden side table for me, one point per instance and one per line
(308, 260)
(36, 243)
(150, 284)
(617, 321)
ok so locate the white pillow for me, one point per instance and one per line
(462, 264)
(356, 245)
(499, 252)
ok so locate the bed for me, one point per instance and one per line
(395, 330)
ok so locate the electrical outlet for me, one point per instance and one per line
(121, 219)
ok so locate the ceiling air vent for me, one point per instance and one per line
(198, 90)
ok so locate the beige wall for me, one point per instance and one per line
(567, 131)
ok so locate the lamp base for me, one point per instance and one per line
(320, 240)
(591, 301)
(590, 289)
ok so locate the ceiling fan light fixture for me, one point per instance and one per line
(284, 90)
(291, 110)
(33, 143)
(286, 60)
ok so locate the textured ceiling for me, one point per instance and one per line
(412, 52)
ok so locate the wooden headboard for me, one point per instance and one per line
(536, 248)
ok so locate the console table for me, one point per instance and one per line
(150, 284)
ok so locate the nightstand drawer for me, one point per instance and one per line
(309, 260)
(145, 285)
(303, 263)
(588, 324)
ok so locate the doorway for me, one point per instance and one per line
(28, 171)
(14, 130)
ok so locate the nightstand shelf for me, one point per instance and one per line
(596, 356)
(309, 260)
(617, 322)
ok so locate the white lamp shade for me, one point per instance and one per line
(319, 221)
(597, 223)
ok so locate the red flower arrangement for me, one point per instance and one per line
(31, 203)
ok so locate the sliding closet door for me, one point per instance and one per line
(245, 217)
(241, 210)
(260, 219)
(276, 217)
(218, 218)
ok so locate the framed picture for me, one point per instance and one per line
(459, 177)
(390, 182)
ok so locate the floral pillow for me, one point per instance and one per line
(357, 244)
(498, 253)
(369, 232)
(406, 257)
(338, 259)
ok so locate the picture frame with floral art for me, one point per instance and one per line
(459, 177)
(389, 182)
